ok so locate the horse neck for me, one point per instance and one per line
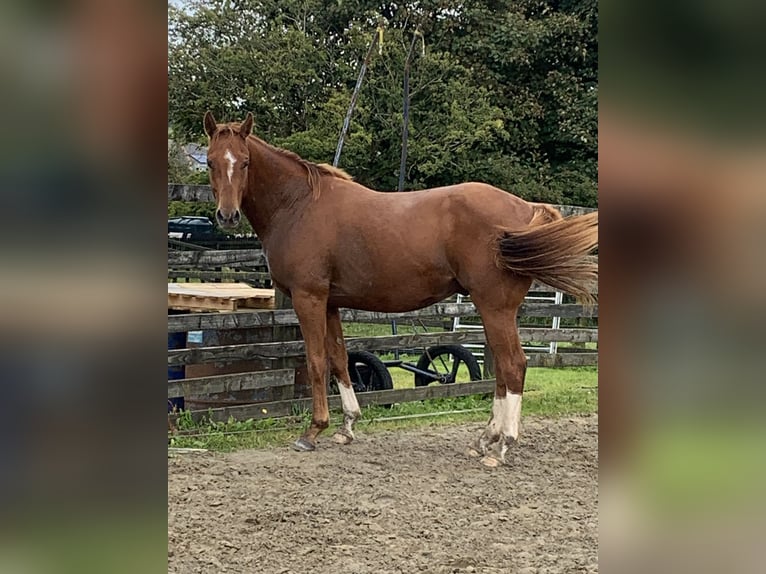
(278, 189)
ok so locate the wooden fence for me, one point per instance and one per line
(275, 387)
(229, 265)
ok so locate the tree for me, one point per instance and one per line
(505, 92)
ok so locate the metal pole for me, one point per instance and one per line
(406, 110)
(394, 332)
(405, 134)
(355, 95)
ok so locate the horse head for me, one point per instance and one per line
(228, 158)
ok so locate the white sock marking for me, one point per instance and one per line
(506, 415)
(348, 399)
(228, 156)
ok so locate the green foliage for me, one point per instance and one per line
(504, 92)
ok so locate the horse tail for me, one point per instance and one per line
(554, 250)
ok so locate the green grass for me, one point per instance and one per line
(549, 392)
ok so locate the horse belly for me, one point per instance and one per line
(389, 297)
(400, 267)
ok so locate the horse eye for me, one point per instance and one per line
(245, 164)
(209, 163)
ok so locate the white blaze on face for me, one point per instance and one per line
(229, 157)
(506, 414)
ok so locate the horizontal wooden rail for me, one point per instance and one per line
(215, 257)
(223, 276)
(228, 383)
(234, 320)
(562, 360)
(176, 243)
(287, 317)
(277, 350)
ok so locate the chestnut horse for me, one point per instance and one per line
(333, 243)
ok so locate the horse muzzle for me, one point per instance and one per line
(228, 219)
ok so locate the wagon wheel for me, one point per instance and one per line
(368, 373)
(444, 362)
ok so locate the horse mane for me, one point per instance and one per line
(333, 171)
(314, 171)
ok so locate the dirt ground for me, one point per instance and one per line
(405, 501)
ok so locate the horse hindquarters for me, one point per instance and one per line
(554, 251)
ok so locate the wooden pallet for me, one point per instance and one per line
(218, 297)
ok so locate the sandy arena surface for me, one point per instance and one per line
(404, 502)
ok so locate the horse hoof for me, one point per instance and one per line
(303, 445)
(342, 437)
(472, 452)
(491, 462)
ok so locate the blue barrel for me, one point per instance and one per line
(176, 341)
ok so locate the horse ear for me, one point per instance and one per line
(210, 125)
(247, 126)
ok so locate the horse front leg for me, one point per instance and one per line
(338, 359)
(311, 310)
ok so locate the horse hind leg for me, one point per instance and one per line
(502, 430)
(338, 359)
